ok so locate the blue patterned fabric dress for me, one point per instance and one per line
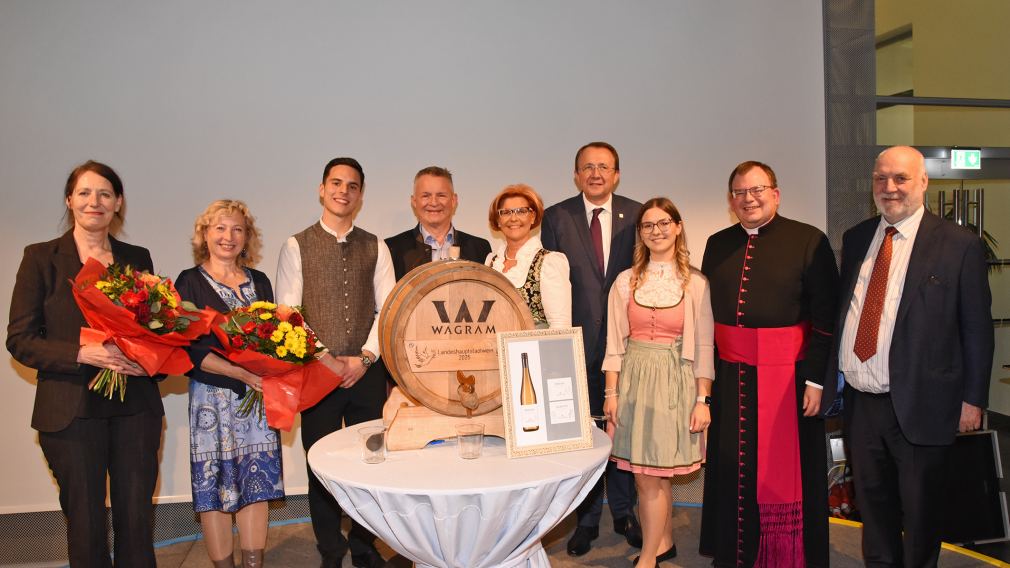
(234, 461)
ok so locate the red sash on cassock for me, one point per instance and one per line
(774, 351)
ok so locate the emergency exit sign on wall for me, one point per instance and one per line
(965, 159)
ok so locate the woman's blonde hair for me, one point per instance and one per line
(642, 253)
(250, 254)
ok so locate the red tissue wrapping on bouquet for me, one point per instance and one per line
(288, 388)
(155, 353)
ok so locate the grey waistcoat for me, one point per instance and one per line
(338, 295)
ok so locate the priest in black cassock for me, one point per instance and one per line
(774, 289)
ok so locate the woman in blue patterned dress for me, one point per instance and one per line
(235, 461)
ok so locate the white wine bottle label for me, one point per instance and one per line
(530, 417)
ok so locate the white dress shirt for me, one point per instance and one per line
(606, 224)
(872, 375)
(288, 289)
(555, 288)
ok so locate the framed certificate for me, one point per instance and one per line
(545, 398)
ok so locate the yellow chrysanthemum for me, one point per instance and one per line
(266, 315)
(277, 336)
(281, 351)
(300, 331)
(262, 305)
(284, 326)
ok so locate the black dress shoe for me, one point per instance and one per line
(629, 527)
(581, 541)
(332, 561)
(668, 555)
(368, 559)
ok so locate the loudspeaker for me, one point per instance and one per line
(975, 509)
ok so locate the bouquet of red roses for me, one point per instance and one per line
(143, 315)
(274, 342)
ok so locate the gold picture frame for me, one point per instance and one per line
(558, 420)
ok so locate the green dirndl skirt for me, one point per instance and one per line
(656, 395)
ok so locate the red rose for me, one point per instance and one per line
(265, 329)
(249, 327)
(296, 319)
(237, 341)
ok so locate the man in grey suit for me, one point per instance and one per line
(596, 231)
(915, 343)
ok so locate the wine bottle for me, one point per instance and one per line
(528, 400)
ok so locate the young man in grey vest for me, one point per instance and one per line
(340, 275)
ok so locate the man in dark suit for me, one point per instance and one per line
(434, 202)
(915, 343)
(596, 231)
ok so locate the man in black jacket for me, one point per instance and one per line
(434, 202)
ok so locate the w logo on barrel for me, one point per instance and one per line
(462, 316)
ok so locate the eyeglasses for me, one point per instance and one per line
(600, 168)
(755, 191)
(515, 211)
(664, 226)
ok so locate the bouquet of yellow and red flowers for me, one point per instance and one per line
(143, 315)
(274, 342)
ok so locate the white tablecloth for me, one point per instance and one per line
(437, 509)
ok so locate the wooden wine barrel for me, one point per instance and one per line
(437, 329)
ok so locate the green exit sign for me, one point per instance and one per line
(965, 159)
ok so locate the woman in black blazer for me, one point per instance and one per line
(84, 436)
(235, 460)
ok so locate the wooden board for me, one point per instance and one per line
(410, 427)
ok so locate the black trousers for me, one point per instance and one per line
(899, 485)
(360, 403)
(81, 456)
(620, 484)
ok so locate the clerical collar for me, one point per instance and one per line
(757, 229)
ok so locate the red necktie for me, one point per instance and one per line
(597, 234)
(873, 304)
